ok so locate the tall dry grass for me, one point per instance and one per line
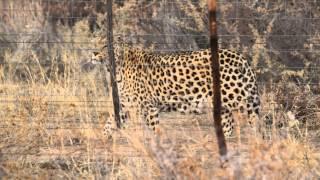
(53, 106)
(40, 140)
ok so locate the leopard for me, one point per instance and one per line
(157, 82)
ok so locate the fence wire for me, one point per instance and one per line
(49, 84)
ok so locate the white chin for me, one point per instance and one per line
(95, 62)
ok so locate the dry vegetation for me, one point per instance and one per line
(53, 104)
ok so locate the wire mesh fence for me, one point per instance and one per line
(49, 89)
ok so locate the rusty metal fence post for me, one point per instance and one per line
(115, 93)
(215, 69)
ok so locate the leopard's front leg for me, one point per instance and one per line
(111, 125)
(150, 114)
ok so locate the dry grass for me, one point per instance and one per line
(53, 107)
(60, 136)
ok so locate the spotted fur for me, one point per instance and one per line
(182, 82)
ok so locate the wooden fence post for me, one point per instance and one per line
(215, 69)
(115, 94)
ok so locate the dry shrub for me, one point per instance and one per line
(275, 160)
(300, 100)
(34, 51)
(52, 111)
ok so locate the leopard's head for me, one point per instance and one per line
(101, 58)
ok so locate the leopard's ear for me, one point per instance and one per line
(119, 44)
(118, 39)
